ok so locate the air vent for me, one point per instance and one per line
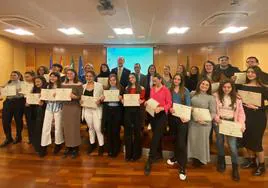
(224, 18)
(19, 21)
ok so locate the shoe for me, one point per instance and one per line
(148, 167)
(91, 148)
(197, 163)
(172, 161)
(182, 174)
(43, 152)
(235, 172)
(6, 142)
(57, 149)
(74, 153)
(17, 140)
(260, 170)
(101, 151)
(249, 163)
(110, 154)
(221, 165)
(67, 151)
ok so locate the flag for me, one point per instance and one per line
(61, 61)
(81, 72)
(50, 62)
(187, 64)
(72, 63)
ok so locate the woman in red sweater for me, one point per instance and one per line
(133, 121)
(162, 95)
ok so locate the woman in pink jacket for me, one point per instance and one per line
(229, 108)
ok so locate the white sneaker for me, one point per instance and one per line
(182, 175)
(171, 161)
(149, 127)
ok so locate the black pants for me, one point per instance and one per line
(38, 119)
(113, 129)
(158, 127)
(30, 116)
(132, 131)
(13, 108)
(181, 132)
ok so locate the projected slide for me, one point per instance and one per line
(143, 56)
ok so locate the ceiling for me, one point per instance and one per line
(150, 18)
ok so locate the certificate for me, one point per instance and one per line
(48, 94)
(226, 113)
(201, 114)
(26, 88)
(8, 91)
(89, 102)
(111, 95)
(63, 94)
(214, 87)
(151, 106)
(182, 111)
(33, 98)
(230, 128)
(249, 97)
(103, 81)
(131, 99)
(240, 77)
(46, 76)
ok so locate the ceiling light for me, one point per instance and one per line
(123, 31)
(19, 31)
(70, 31)
(232, 30)
(177, 30)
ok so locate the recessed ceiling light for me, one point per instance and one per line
(70, 31)
(123, 31)
(232, 30)
(110, 36)
(177, 30)
(19, 31)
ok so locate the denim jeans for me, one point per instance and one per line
(231, 142)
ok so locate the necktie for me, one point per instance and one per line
(119, 73)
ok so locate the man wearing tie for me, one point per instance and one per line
(141, 78)
(121, 72)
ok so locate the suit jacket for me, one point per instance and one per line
(98, 92)
(124, 76)
(142, 80)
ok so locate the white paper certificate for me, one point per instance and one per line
(201, 114)
(131, 99)
(63, 94)
(103, 81)
(249, 97)
(8, 91)
(182, 111)
(240, 77)
(33, 98)
(46, 76)
(151, 106)
(111, 95)
(88, 101)
(26, 88)
(48, 94)
(230, 128)
(215, 87)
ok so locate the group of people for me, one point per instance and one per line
(192, 136)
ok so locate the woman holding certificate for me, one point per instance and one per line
(204, 110)
(113, 115)
(53, 111)
(254, 106)
(229, 108)
(161, 95)
(71, 114)
(13, 106)
(132, 120)
(180, 95)
(93, 113)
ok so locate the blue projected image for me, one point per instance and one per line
(143, 56)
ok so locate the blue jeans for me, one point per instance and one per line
(231, 142)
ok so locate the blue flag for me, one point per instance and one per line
(50, 62)
(81, 73)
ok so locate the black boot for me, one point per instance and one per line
(75, 152)
(249, 163)
(17, 140)
(148, 167)
(101, 151)
(57, 149)
(221, 165)
(91, 148)
(43, 151)
(235, 172)
(197, 163)
(260, 170)
(6, 142)
(67, 151)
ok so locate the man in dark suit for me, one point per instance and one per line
(121, 72)
(141, 78)
(224, 69)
